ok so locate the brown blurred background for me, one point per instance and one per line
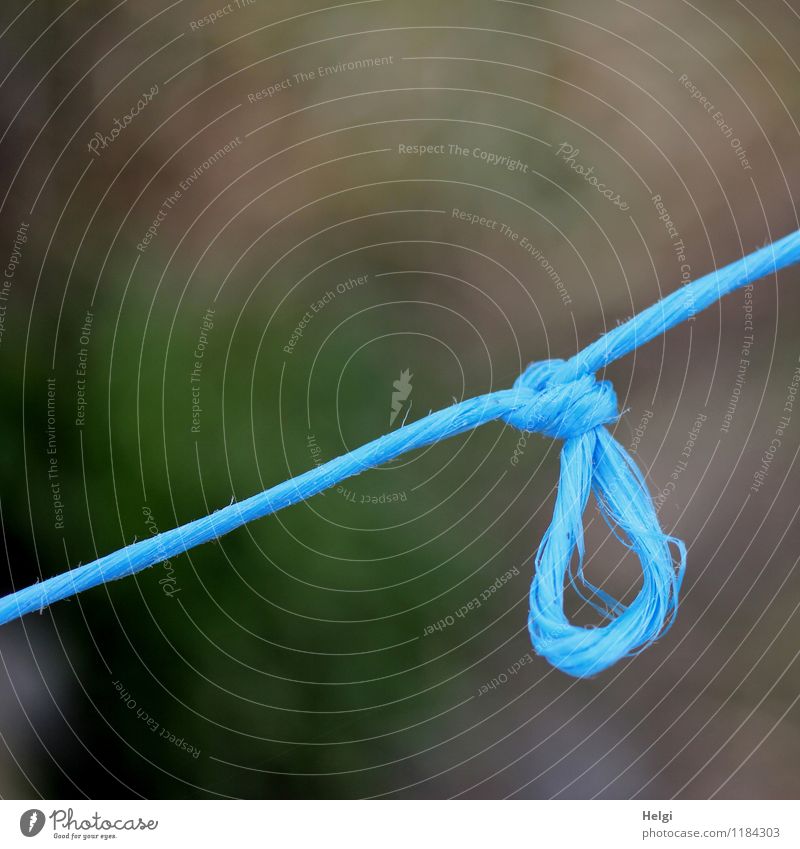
(226, 247)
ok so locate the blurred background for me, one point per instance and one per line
(241, 239)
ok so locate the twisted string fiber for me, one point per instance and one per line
(557, 398)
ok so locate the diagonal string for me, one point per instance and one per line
(557, 398)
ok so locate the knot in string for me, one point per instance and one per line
(550, 398)
(549, 404)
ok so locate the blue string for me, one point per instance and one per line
(561, 399)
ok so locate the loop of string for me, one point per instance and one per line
(592, 461)
(560, 399)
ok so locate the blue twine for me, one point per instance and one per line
(561, 399)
